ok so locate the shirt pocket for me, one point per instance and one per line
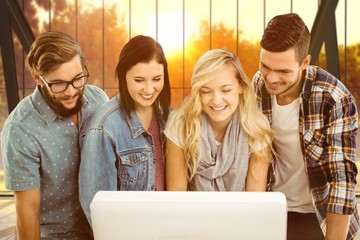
(133, 171)
(314, 140)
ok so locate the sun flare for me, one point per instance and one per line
(173, 31)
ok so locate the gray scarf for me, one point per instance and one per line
(224, 167)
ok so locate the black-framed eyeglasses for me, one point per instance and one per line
(59, 86)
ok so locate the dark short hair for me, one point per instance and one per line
(50, 50)
(284, 32)
(142, 49)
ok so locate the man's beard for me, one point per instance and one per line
(58, 107)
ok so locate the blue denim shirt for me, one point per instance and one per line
(116, 154)
(40, 150)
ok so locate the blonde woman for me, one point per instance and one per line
(218, 140)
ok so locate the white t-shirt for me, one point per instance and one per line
(290, 177)
(173, 131)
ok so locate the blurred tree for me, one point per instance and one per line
(350, 72)
(249, 55)
(352, 66)
(225, 38)
(102, 33)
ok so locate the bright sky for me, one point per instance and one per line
(250, 16)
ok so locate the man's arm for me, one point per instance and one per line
(27, 205)
(337, 226)
(340, 153)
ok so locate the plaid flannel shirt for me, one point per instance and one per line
(328, 123)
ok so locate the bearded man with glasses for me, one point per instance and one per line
(57, 86)
(39, 141)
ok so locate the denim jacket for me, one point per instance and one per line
(116, 153)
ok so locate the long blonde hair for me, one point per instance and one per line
(253, 121)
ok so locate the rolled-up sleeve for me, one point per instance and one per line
(340, 152)
(20, 157)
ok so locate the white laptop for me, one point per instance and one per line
(142, 215)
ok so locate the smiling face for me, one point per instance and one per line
(69, 102)
(220, 96)
(282, 73)
(145, 82)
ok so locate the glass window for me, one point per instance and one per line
(249, 34)
(185, 29)
(197, 36)
(116, 34)
(273, 8)
(170, 36)
(224, 26)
